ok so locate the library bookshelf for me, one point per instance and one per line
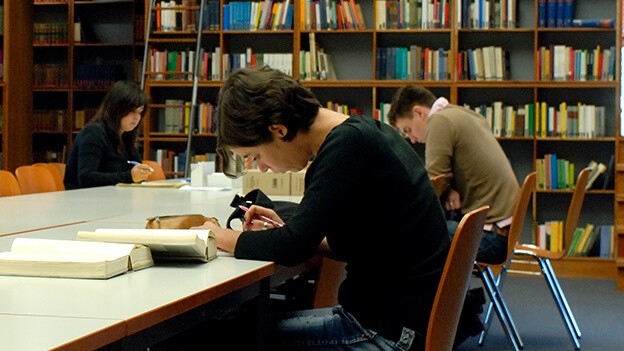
(356, 57)
(80, 48)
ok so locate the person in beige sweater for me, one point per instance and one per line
(460, 142)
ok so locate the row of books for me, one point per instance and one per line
(485, 14)
(589, 241)
(412, 14)
(485, 63)
(543, 120)
(170, 16)
(97, 76)
(82, 116)
(555, 13)
(412, 63)
(279, 61)
(50, 33)
(185, 18)
(50, 74)
(174, 163)
(343, 108)
(561, 62)
(49, 120)
(553, 173)
(593, 241)
(258, 15)
(175, 117)
(179, 64)
(331, 14)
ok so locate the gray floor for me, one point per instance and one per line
(598, 307)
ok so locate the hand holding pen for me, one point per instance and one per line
(266, 220)
(140, 171)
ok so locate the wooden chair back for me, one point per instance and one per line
(574, 210)
(158, 173)
(453, 286)
(56, 174)
(8, 184)
(441, 182)
(34, 179)
(519, 214)
(61, 168)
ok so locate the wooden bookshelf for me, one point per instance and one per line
(16, 84)
(80, 48)
(354, 57)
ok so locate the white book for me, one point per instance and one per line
(72, 259)
(172, 244)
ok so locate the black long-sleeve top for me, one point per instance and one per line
(95, 161)
(369, 194)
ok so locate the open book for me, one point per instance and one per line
(72, 259)
(175, 244)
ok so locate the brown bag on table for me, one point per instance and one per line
(178, 221)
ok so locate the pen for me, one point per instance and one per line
(264, 218)
(137, 163)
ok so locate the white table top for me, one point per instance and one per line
(85, 313)
(17, 332)
(45, 210)
(145, 295)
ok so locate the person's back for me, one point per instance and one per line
(481, 171)
(94, 160)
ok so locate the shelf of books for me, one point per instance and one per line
(80, 48)
(546, 78)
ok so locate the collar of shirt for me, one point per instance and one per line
(439, 104)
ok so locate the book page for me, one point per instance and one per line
(163, 243)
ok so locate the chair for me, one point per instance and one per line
(61, 167)
(484, 270)
(441, 182)
(453, 286)
(56, 174)
(35, 179)
(330, 274)
(543, 258)
(8, 184)
(158, 173)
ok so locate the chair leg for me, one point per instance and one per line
(487, 319)
(561, 302)
(500, 307)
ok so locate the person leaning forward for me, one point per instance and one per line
(460, 142)
(366, 191)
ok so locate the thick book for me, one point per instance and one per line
(165, 244)
(72, 259)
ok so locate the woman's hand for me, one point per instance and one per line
(254, 220)
(140, 172)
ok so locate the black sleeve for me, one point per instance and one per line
(93, 167)
(330, 187)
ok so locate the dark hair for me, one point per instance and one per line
(405, 98)
(122, 98)
(251, 100)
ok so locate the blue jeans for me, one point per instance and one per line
(329, 329)
(493, 247)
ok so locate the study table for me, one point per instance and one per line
(135, 309)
